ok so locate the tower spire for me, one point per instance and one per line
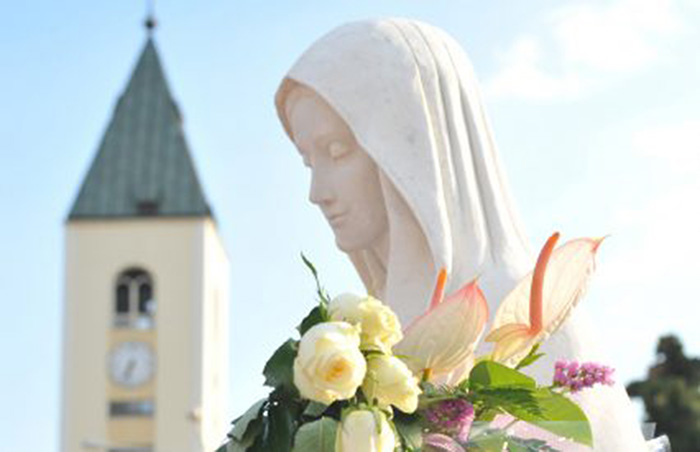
(143, 165)
(150, 22)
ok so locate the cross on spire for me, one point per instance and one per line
(150, 21)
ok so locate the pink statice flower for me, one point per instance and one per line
(577, 376)
(452, 417)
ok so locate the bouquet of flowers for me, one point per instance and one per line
(356, 381)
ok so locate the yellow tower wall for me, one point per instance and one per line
(190, 269)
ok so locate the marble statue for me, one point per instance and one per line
(388, 116)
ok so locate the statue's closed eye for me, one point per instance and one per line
(338, 149)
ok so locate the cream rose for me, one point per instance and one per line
(380, 327)
(365, 431)
(391, 382)
(329, 365)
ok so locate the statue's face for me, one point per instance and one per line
(344, 179)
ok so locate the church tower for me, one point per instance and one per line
(145, 329)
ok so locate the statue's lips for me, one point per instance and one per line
(336, 219)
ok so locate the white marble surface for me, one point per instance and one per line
(407, 94)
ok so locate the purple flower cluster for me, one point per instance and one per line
(453, 417)
(575, 376)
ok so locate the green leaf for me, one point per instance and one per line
(489, 441)
(279, 370)
(512, 399)
(317, 315)
(281, 425)
(240, 427)
(235, 446)
(315, 409)
(247, 430)
(322, 295)
(517, 444)
(541, 407)
(489, 414)
(317, 436)
(559, 415)
(410, 430)
(492, 374)
(258, 446)
(310, 266)
(531, 357)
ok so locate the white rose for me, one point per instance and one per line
(380, 327)
(329, 365)
(391, 382)
(365, 431)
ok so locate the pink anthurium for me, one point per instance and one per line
(537, 306)
(443, 339)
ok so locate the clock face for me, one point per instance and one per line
(131, 364)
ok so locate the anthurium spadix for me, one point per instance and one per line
(543, 299)
(443, 339)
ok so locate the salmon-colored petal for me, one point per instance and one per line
(444, 338)
(513, 342)
(459, 374)
(567, 274)
(499, 333)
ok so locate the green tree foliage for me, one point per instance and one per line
(671, 395)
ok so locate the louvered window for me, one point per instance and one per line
(134, 303)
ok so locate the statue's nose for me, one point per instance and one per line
(321, 191)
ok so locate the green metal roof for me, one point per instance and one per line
(143, 166)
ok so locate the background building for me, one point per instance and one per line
(145, 345)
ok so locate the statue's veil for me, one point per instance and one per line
(409, 94)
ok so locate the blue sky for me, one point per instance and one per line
(594, 106)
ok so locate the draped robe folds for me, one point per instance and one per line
(408, 93)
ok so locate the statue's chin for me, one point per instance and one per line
(351, 244)
(350, 241)
(345, 246)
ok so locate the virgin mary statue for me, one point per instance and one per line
(388, 116)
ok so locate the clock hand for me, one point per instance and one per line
(130, 366)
